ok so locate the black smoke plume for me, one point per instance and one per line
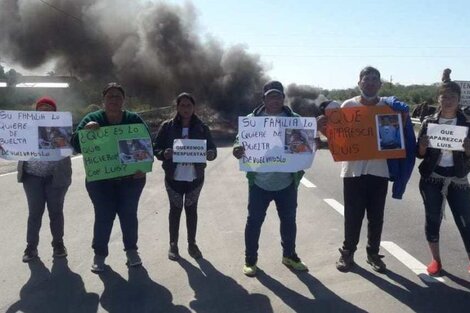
(154, 49)
(304, 99)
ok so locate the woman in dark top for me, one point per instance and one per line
(183, 181)
(116, 196)
(444, 174)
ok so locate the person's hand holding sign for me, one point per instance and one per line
(210, 155)
(168, 154)
(238, 152)
(138, 174)
(92, 126)
(321, 123)
(423, 143)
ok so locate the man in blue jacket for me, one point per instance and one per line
(365, 182)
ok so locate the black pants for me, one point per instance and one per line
(182, 193)
(458, 198)
(39, 192)
(362, 194)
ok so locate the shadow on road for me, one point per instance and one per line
(58, 290)
(458, 280)
(435, 297)
(216, 292)
(324, 299)
(139, 294)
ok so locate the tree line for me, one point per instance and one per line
(85, 96)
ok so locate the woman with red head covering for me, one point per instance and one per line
(45, 182)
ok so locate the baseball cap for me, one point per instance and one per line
(273, 86)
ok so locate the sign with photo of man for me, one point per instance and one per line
(35, 135)
(365, 133)
(116, 151)
(277, 144)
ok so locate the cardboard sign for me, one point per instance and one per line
(465, 95)
(189, 151)
(116, 151)
(365, 133)
(277, 144)
(35, 135)
(446, 137)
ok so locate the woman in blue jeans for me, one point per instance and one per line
(444, 174)
(116, 196)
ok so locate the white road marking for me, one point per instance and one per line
(8, 174)
(409, 261)
(401, 255)
(335, 205)
(307, 183)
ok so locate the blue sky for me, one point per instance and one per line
(326, 43)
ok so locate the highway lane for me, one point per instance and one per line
(404, 219)
(216, 284)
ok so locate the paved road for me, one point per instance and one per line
(216, 283)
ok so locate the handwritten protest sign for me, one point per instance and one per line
(276, 144)
(465, 95)
(116, 151)
(359, 133)
(35, 135)
(189, 151)
(448, 137)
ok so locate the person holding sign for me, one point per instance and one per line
(266, 187)
(365, 182)
(116, 195)
(183, 181)
(45, 182)
(444, 174)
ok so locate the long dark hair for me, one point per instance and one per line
(179, 98)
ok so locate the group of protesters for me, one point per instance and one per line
(365, 182)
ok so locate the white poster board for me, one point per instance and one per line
(447, 137)
(189, 151)
(277, 144)
(465, 95)
(35, 135)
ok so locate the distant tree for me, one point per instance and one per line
(12, 77)
(412, 94)
(2, 73)
(342, 94)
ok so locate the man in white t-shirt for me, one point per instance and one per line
(365, 184)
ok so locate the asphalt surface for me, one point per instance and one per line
(216, 284)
